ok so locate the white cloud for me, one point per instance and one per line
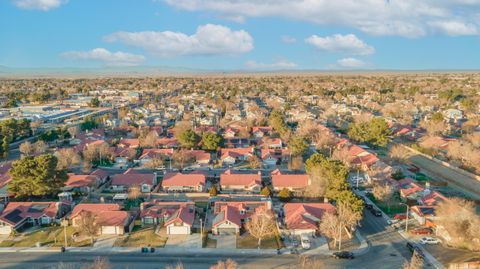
(44, 5)
(408, 18)
(455, 28)
(351, 63)
(118, 58)
(278, 65)
(349, 44)
(209, 39)
(288, 39)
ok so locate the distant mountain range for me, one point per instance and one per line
(142, 71)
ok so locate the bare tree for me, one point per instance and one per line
(74, 131)
(156, 162)
(343, 155)
(182, 158)
(150, 140)
(383, 193)
(26, 148)
(67, 158)
(319, 183)
(40, 147)
(90, 153)
(462, 229)
(254, 162)
(434, 127)
(88, 224)
(228, 264)
(133, 192)
(398, 154)
(99, 263)
(179, 265)
(296, 163)
(261, 225)
(333, 225)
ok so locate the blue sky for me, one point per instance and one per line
(241, 35)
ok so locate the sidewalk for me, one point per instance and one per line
(364, 248)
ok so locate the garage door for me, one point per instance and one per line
(227, 231)
(109, 230)
(5, 230)
(178, 230)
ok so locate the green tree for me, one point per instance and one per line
(36, 176)
(188, 139)
(398, 175)
(88, 123)
(265, 191)
(333, 172)
(298, 146)
(211, 141)
(314, 161)
(285, 195)
(374, 132)
(348, 198)
(50, 135)
(213, 191)
(5, 148)
(94, 102)
(437, 117)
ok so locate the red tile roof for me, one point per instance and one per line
(156, 153)
(235, 152)
(16, 212)
(132, 178)
(183, 214)
(75, 181)
(305, 215)
(292, 181)
(107, 214)
(227, 178)
(179, 179)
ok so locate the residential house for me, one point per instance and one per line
(304, 218)
(183, 182)
(81, 183)
(167, 143)
(110, 218)
(122, 182)
(177, 217)
(230, 216)
(149, 154)
(18, 215)
(296, 183)
(261, 131)
(236, 182)
(230, 156)
(101, 174)
(411, 191)
(272, 157)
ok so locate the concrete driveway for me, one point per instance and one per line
(105, 241)
(184, 241)
(226, 241)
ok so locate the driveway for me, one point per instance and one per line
(184, 241)
(226, 241)
(105, 241)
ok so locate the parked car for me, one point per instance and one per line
(376, 213)
(429, 241)
(305, 242)
(392, 221)
(343, 255)
(369, 206)
(413, 168)
(421, 231)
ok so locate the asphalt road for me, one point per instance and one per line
(387, 251)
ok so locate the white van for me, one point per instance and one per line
(305, 241)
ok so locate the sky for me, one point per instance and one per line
(241, 34)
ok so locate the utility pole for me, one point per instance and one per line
(406, 221)
(64, 224)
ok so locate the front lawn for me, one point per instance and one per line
(47, 236)
(392, 209)
(248, 241)
(142, 237)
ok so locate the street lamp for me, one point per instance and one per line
(406, 220)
